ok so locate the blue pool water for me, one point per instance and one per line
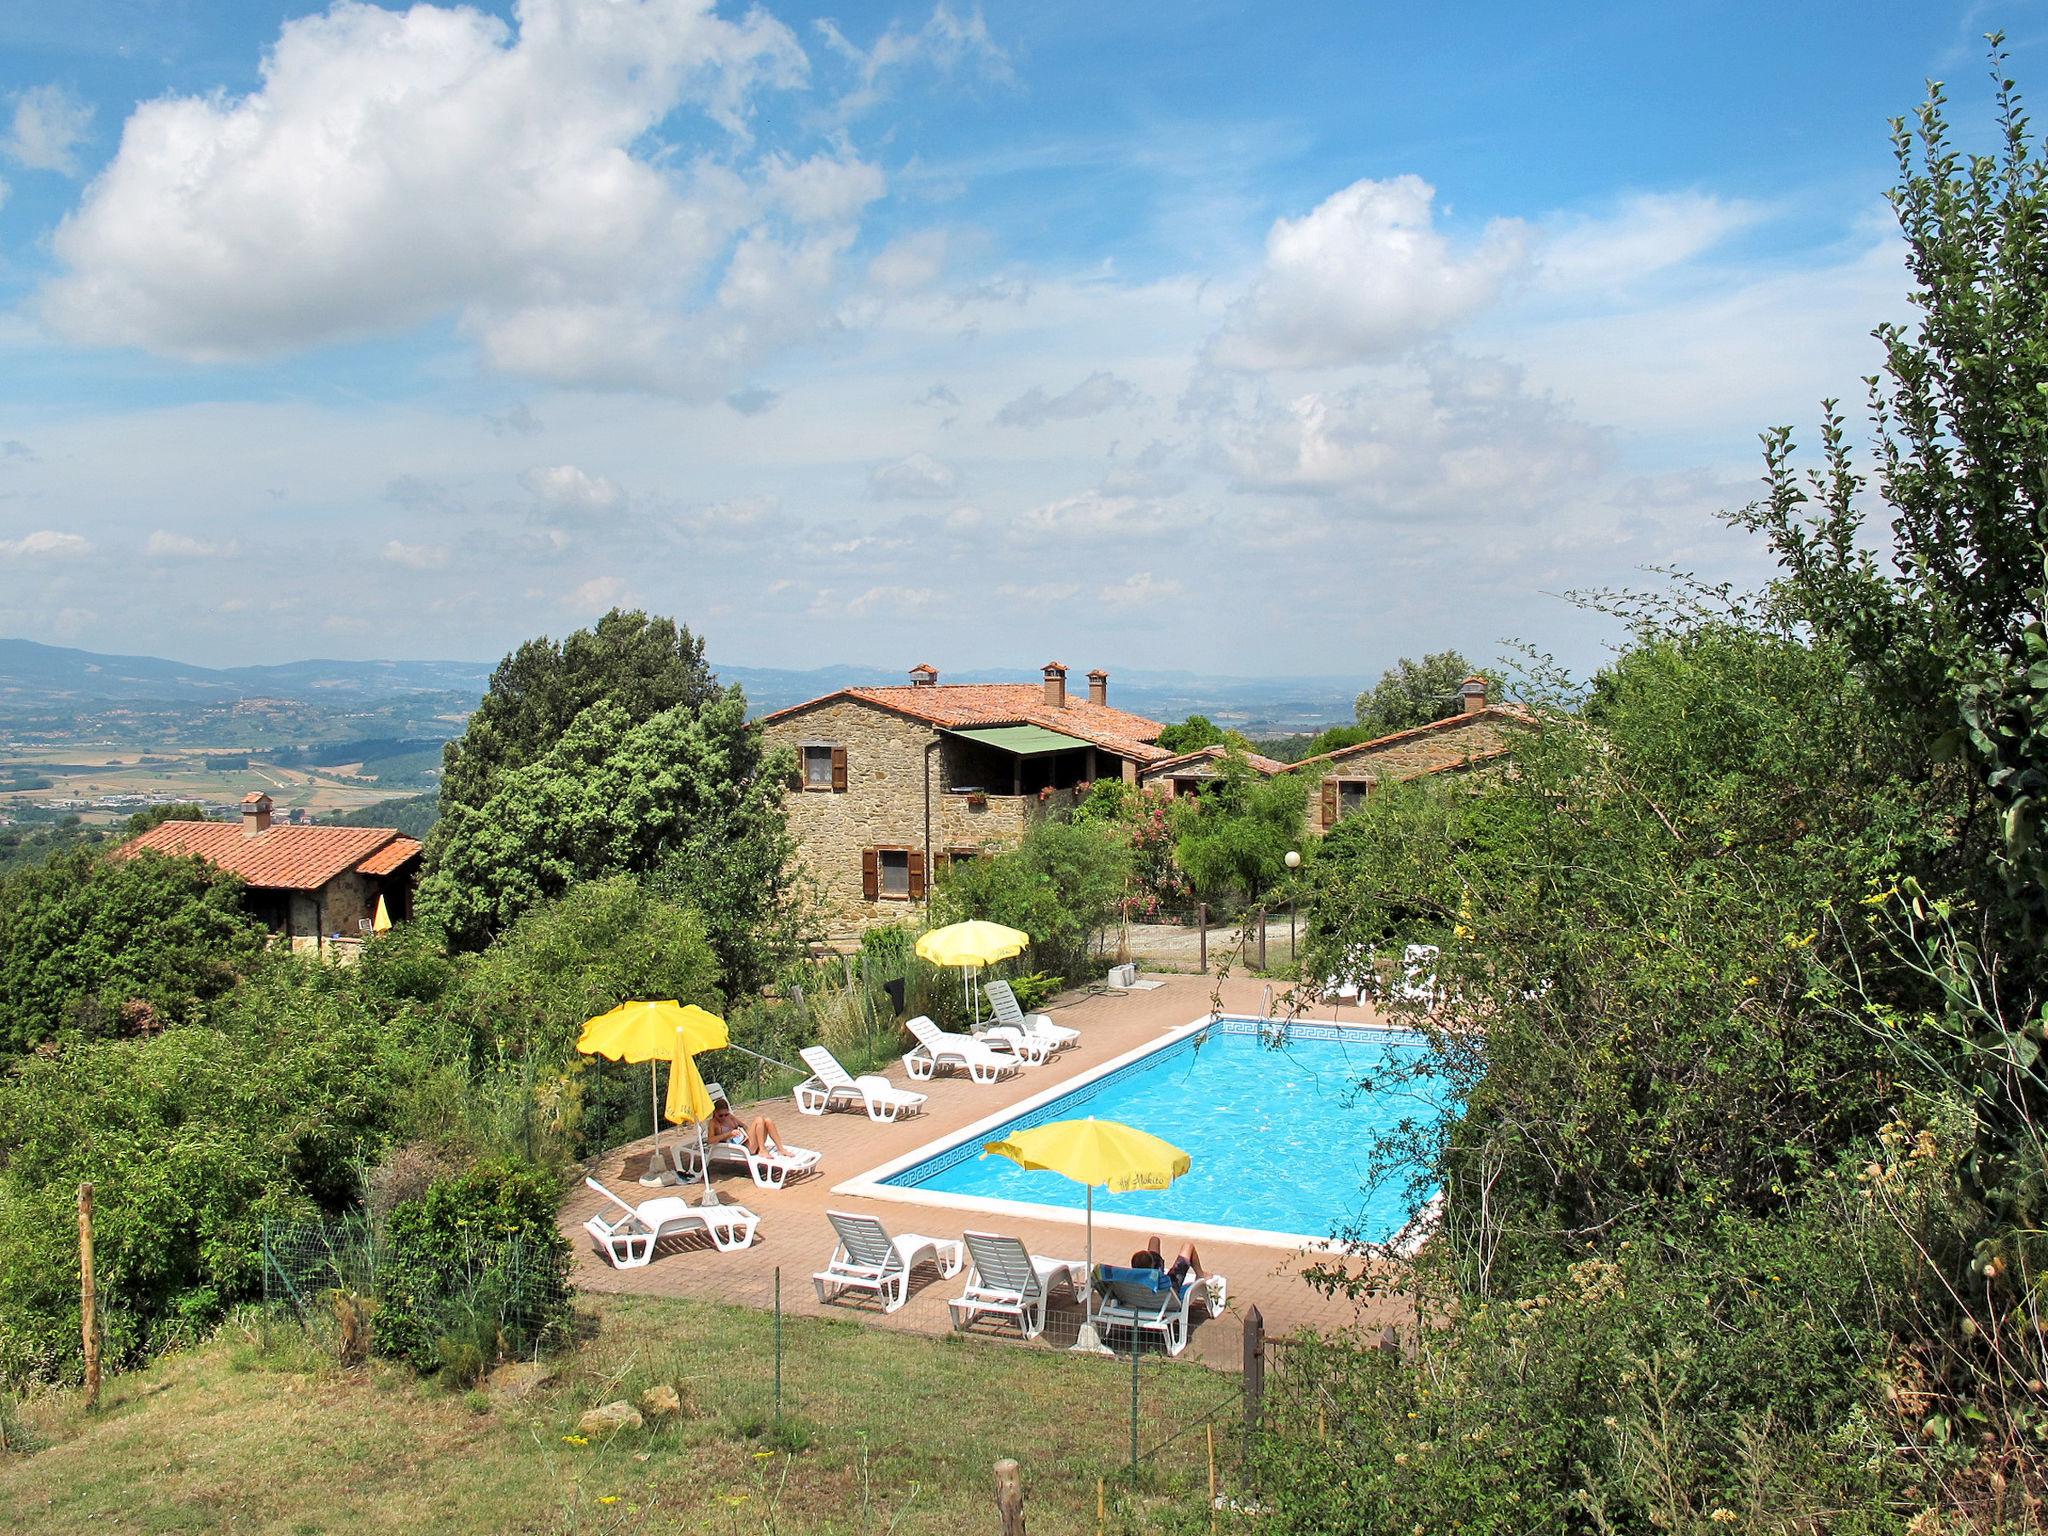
(1281, 1135)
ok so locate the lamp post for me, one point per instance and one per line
(1293, 862)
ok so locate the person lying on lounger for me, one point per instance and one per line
(1186, 1265)
(757, 1135)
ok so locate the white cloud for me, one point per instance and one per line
(891, 600)
(1042, 592)
(415, 557)
(565, 488)
(1099, 392)
(45, 544)
(1141, 589)
(600, 592)
(49, 125)
(910, 263)
(1646, 234)
(1094, 515)
(395, 167)
(919, 477)
(947, 42)
(1366, 274)
(165, 545)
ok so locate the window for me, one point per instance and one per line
(891, 874)
(824, 767)
(952, 858)
(1351, 795)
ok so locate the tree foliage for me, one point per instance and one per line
(1233, 838)
(1191, 734)
(1412, 693)
(1063, 884)
(610, 796)
(101, 943)
(642, 666)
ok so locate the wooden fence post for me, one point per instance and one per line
(88, 1308)
(1010, 1497)
(1262, 938)
(1254, 1370)
(1202, 923)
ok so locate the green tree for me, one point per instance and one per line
(1191, 734)
(612, 796)
(1233, 838)
(104, 943)
(643, 666)
(1063, 884)
(1412, 693)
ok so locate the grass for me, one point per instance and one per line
(882, 1432)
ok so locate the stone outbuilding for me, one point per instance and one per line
(1480, 736)
(315, 887)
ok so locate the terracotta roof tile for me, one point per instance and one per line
(279, 857)
(392, 857)
(1166, 765)
(962, 706)
(1494, 715)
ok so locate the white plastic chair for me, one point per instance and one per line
(629, 1238)
(867, 1258)
(830, 1082)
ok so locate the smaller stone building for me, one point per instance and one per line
(896, 785)
(1480, 736)
(316, 887)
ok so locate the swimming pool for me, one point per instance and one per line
(1280, 1132)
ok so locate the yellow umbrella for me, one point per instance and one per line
(1091, 1152)
(653, 1032)
(381, 923)
(971, 945)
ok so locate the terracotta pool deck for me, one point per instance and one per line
(795, 1235)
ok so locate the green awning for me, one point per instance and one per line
(1020, 740)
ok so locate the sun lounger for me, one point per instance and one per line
(867, 1258)
(629, 1238)
(935, 1048)
(1033, 1026)
(1418, 976)
(770, 1168)
(1146, 1301)
(1009, 1280)
(830, 1083)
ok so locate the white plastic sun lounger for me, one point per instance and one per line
(936, 1048)
(830, 1082)
(1033, 1026)
(867, 1258)
(771, 1168)
(629, 1238)
(1009, 1280)
(1136, 1305)
(1418, 976)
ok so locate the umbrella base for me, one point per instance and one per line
(660, 1179)
(1089, 1342)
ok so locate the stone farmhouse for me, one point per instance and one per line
(316, 887)
(1479, 736)
(896, 784)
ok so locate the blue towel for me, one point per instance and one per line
(1153, 1280)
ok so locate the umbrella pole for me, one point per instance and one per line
(654, 1174)
(704, 1162)
(1088, 1341)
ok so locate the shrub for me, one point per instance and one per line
(1063, 884)
(474, 1271)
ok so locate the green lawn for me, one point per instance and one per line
(260, 1430)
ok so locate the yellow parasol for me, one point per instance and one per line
(653, 1032)
(1091, 1152)
(971, 945)
(381, 923)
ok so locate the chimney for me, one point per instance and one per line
(924, 675)
(255, 814)
(1474, 691)
(1098, 687)
(1055, 685)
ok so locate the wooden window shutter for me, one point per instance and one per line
(1329, 802)
(916, 861)
(870, 874)
(838, 770)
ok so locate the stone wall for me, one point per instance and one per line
(883, 805)
(1478, 738)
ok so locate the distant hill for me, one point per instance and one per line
(50, 679)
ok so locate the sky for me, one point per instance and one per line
(1254, 340)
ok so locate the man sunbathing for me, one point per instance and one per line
(757, 1135)
(1186, 1264)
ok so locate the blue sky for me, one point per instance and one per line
(1286, 338)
